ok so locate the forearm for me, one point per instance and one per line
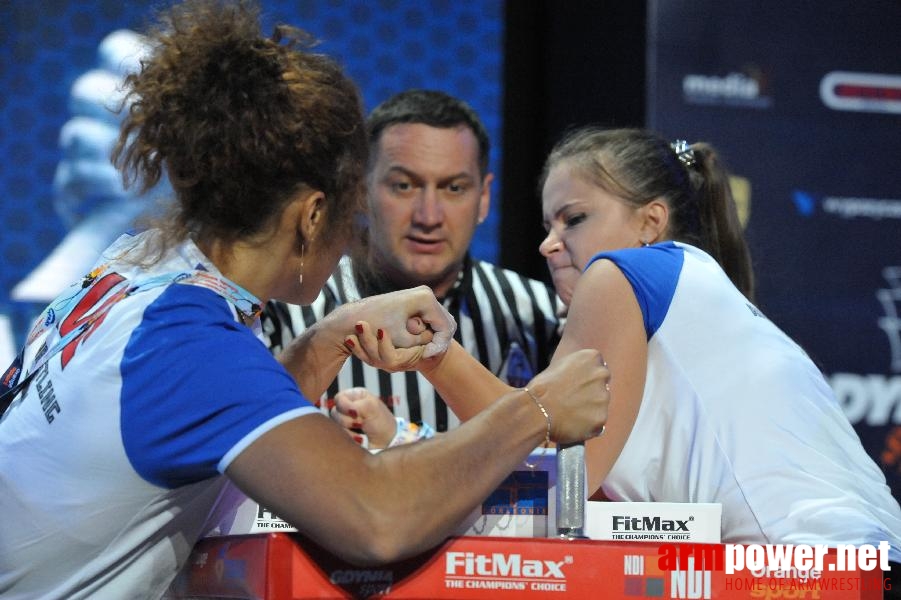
(454, 472)
(463, 382)
(371, 509)
(316, 356)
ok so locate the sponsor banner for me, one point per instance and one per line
(654, 521)
(861, 92)
(522, 506)
(733, 89)
(284, 566)
(804, 104)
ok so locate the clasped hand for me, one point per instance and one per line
(359, 410)
(417, 324)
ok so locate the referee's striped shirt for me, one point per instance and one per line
(507, 321)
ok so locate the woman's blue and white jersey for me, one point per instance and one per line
(734, 412)
(111, 460)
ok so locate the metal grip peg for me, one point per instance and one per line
(571, 491)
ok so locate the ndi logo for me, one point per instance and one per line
(642, 576)
(691, 582)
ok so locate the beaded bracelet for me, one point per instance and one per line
(407, 433)
(547, 418)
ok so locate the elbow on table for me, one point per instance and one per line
(380, 545)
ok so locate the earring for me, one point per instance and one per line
(644, 243)
(300, 279)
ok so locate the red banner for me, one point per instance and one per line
(283, 566)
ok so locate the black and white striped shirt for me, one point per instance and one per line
(507, 321)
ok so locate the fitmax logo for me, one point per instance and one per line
(624, 523)
(501, 565)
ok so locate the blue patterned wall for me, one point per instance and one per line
(385, 45)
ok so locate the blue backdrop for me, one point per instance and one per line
(385, 45)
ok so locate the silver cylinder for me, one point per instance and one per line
(571, 490)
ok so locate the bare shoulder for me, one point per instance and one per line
(602, 292)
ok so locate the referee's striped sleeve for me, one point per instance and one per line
(497, 311)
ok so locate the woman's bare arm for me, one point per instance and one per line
(376, 508)
(463, 382)
(604, 315)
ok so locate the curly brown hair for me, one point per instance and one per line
(240, 123)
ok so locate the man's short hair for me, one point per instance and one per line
(432, 108)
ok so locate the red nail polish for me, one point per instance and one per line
(358, 439)
(349, 343)
(356, 426)
(330, 403)
(352, 413)
(359, 328)
(379, 334)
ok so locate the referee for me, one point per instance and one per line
(429, 188)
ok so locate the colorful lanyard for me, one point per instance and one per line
(94, 295)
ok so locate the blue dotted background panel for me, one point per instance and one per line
(385, 45)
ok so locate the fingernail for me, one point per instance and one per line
(330, 403)
(352, 413)
(379, 334)
(358, 439)
(349, 343)
(359, 328)
(356, 426)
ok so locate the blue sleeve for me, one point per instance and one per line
(653, 272)
(197, 388)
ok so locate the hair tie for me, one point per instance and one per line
(683, 152)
